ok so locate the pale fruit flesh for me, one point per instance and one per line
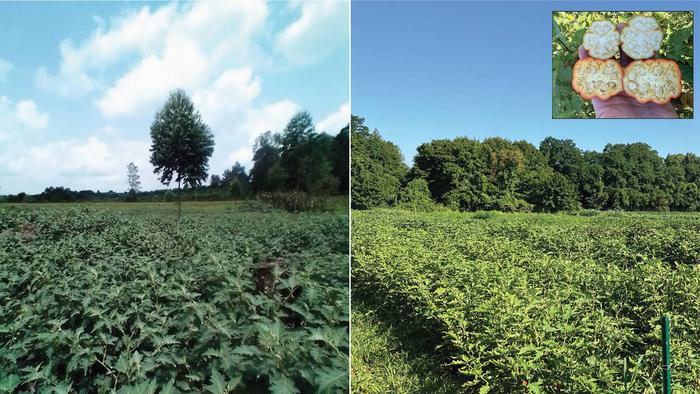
(597, 78)
(641, 38)
(652, 80)
(602, 40)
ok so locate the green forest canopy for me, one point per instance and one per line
(498, 174)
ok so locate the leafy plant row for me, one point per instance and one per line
(541, 303)
(223, 302)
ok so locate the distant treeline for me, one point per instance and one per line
(498, 174)
(64, 194)
(298, 161)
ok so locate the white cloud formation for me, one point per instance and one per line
(197, 41)
(227, 107)
(321, 28)
(134, 32)
(16, 117)
(273, 117)
(181, 66)
(5, 68)
(243, 155)
(91, 157)
(335, 121)
(94, 164)
(174, 46)
(232, 92)
(28, 115)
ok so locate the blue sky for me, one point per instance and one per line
(423, 71)
(80, 82)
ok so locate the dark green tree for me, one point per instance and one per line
(295, 148)
(633, 175)
(415, 196)
(563, 156)
(181, 143)
(456, 171)
(317, 175)
(215, 181)
(236, 172)
(267, 172)
(340, 157)
(549, 191)
(377, 168)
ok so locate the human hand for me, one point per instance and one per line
(624, 106)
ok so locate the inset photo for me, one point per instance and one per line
(614, 64)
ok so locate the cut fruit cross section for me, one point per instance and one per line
(597, 78)
(602, 40)
(641, 37)
(656, 80)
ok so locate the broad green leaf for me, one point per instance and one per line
(281, 384)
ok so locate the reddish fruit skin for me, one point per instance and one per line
(677, 71)
(581, 91)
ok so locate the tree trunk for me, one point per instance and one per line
(179, 200)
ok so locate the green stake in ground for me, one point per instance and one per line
(666, 354)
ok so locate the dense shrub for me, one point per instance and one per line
(292, 201)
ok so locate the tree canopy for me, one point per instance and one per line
(498, 174)
(181, 142)
(377, 168)
(133, 177)
(299, 159)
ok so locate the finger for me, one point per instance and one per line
(624, 59)
(582, 53)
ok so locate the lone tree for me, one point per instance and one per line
(181, 144)
(132, 174)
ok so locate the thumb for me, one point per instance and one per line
(582, 53)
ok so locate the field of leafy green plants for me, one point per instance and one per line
(537, 303)
(226, 300)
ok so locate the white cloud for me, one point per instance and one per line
(181, 66)
(91, 158)
(28, 115)
(232, 92)
(335, 121)
(227, 106)
(94, 164)
(5, 68)
(243, 155)
(321, 28)
(197, 41)
(137, 32)
(272, 117)
(174, 46)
